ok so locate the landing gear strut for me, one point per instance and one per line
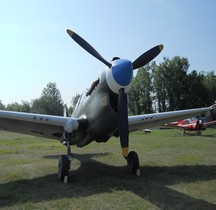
(133, 163)
(64, 163)
(199, 133)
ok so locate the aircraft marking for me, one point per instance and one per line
(104, 101)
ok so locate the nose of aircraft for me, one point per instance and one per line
(119, 75)
(122, 71)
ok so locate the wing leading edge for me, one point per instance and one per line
(46, 126)
(208, 124)
(137, 122)
(49, 126)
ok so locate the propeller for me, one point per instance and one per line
(147, 56)
(86, 46)
(122, 97)
(123, 121)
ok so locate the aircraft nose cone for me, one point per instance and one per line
(122, 71)
(119, 75)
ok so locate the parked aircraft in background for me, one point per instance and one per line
(191, 124)
(101, 112)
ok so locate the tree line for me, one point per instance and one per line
(166, 86)
(50, 102)
(169, 86)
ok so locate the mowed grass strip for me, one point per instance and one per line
(177, 172)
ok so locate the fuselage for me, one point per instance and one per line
(98, 105)
(189, 124)
(192, 125)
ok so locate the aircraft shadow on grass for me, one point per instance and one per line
(93, 177)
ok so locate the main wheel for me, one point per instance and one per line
(133, 162)
(63, 167)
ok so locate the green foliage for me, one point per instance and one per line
(196, 93)
(23, 107)
(74, 101)
(2, 106)
(168, 86)
(210, 85)
(140, 100)
(50, 101)
(169, 83)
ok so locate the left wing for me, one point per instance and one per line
(137, 122)
(47, 126)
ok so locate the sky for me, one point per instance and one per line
(35, 48)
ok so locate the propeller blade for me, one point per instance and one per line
(123, 121)
(147, 56)
(86, 46)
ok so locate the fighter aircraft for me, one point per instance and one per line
(101, 112)
(191, 124)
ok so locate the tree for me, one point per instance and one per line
(23, 107)
(140, 95)
(169, 82)
(26, 106)
(2, 106)
(196, 93)
(210, 85)
(50, 101)
(74, 101)
(159, 90)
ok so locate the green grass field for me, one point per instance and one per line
(177, 172)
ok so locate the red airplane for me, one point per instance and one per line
(191, 124)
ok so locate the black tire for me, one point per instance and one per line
(63, 167)
(133, 162)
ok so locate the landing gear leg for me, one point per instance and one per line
(133, 163)
(64, 163)
(199, 133)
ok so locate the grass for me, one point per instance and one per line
(177, 172)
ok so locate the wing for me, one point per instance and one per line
(152, 120)
(210, 123)
(46, 126)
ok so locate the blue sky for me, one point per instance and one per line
(35, 48)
